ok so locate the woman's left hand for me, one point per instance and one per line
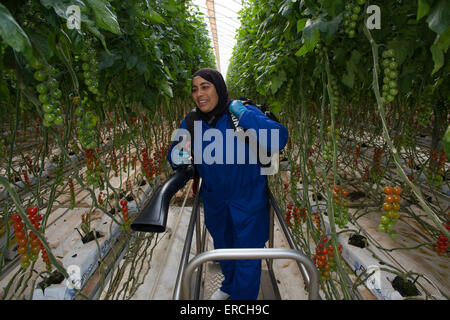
(237, 108)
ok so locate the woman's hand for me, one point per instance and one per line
(182, 157)
(237, 108)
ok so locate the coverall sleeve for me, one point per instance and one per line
(253, 118)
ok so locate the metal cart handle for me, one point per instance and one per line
(252, 254)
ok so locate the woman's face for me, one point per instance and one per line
(204, 94)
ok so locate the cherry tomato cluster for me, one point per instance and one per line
(100, 198)
(392, 207)
(94, 169)
(29, 163)
(153, 167)
(90, 69)
(340, 206)
(114, 164)
(87, 121)
(442, 242)
(328, 149)
(145, 163)
(126, 219)
(375, 171)
(128, 185)
(49, 93)
(435, 168)
(25, 177)
(320, 49)
(316, 220)
(355, 159)
(335, 91)
(351, 15)
(27, 253)
(324, 258)
(298, 213)
(285, 189)
(390, 70)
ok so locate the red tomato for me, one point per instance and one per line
(18, 226)
(398, 190)
(32, 210)
(388, 190)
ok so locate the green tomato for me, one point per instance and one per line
(57, 93)
(34, 256)
(49, 117)
(393, 74)
(385, 63)
(47, 124)
(87, 74)
(390, 226)
(85, 66)
(393, 65)
(381, 228)
(356, 9)
(59, 121)
(354, 17)
(40, 75)
(351, 33)
(47, 107)
(25, 264)
(361, 2)
(393, 92)
(393, 84)
(53, 83)
(44, 98)
(385, 220)
(41, 88)
(36, 64)
(393, 234)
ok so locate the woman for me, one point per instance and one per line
(234, 195)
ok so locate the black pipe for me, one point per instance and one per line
(153, 217)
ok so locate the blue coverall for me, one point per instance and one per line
(236, 203)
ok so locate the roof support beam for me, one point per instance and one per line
(212, 22)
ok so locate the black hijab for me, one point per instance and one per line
(221, 108)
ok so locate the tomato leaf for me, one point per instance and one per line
(422, 9)
(439, 18)
(104, 16)
(277, 81)
(301, 24)
(438, 57)
(13, 34)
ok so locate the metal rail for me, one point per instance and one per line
(251, 254)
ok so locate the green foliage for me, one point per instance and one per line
(146, 50)
(277, 41)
